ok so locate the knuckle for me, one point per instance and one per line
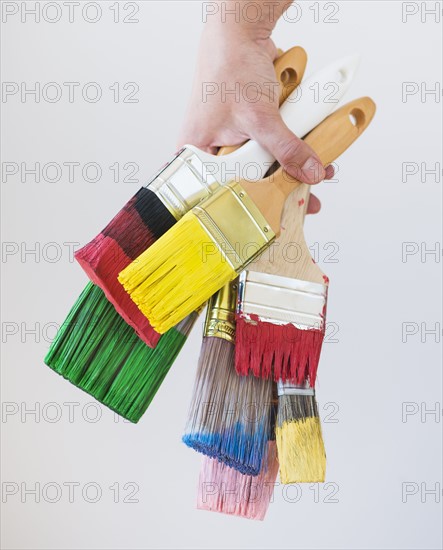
(291, 151)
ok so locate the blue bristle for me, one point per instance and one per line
(238, 448)
(219, 423)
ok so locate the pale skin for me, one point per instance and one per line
(235, 51)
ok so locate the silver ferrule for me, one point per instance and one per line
(183, 183)
(286, 388)
(282, 300)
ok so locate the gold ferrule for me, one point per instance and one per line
(220, 315)
(235, 225)
(200, 308)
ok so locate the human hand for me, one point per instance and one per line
(233, 55)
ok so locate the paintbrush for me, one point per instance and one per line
(214, 242)
(223, 489)
(230, 416)
(282, 305)
(280, 328)
(181, 184)
(98, 352)
(301, 450)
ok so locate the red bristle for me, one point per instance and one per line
(142, 221)
(283, 352)
(132, 235)
(103, 259)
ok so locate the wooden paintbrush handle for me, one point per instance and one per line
(332, 137)
(289, 69)
(329, 140)
(290, 255)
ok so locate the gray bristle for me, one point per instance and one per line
(230, 415)
(296, 407)
(185, 326)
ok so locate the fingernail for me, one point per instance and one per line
(312, 171)
(329, 171)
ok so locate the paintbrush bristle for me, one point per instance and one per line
(225, 490)
(301, 450)
(176, 274)
(230, 415)
(98, 352)
(278, 351)
(134, 229)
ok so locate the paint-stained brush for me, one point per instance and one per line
(190, 177)
(95, 350)
(230, 415)
(99, 353)
(223, 489)
(301, 450)
(281, 305)
(214, 242)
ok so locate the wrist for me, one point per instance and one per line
(244, 20)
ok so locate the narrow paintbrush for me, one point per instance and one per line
(223, 489)
(301, 450)
(191, 176)
(214, 242)
(230, 415)
(98, 352)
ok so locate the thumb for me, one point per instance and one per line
(293, 154)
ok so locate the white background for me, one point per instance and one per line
(367, 376)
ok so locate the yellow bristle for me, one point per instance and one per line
(301, 452)
(185, 249)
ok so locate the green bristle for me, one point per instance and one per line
(98, 352)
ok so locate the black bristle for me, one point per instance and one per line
(142, 221)
(153, 212)
(296, 407)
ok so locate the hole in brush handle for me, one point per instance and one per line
(288, 76)
(357, 117)
(289, 80)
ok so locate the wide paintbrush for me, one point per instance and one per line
(181, 184)
(217, 240)
(98, 352)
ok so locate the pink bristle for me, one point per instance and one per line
(225, 490)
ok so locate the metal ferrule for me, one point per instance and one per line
(286, 388)
(235, 225)
(220, 315)
(282, 300)
(183, 183)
